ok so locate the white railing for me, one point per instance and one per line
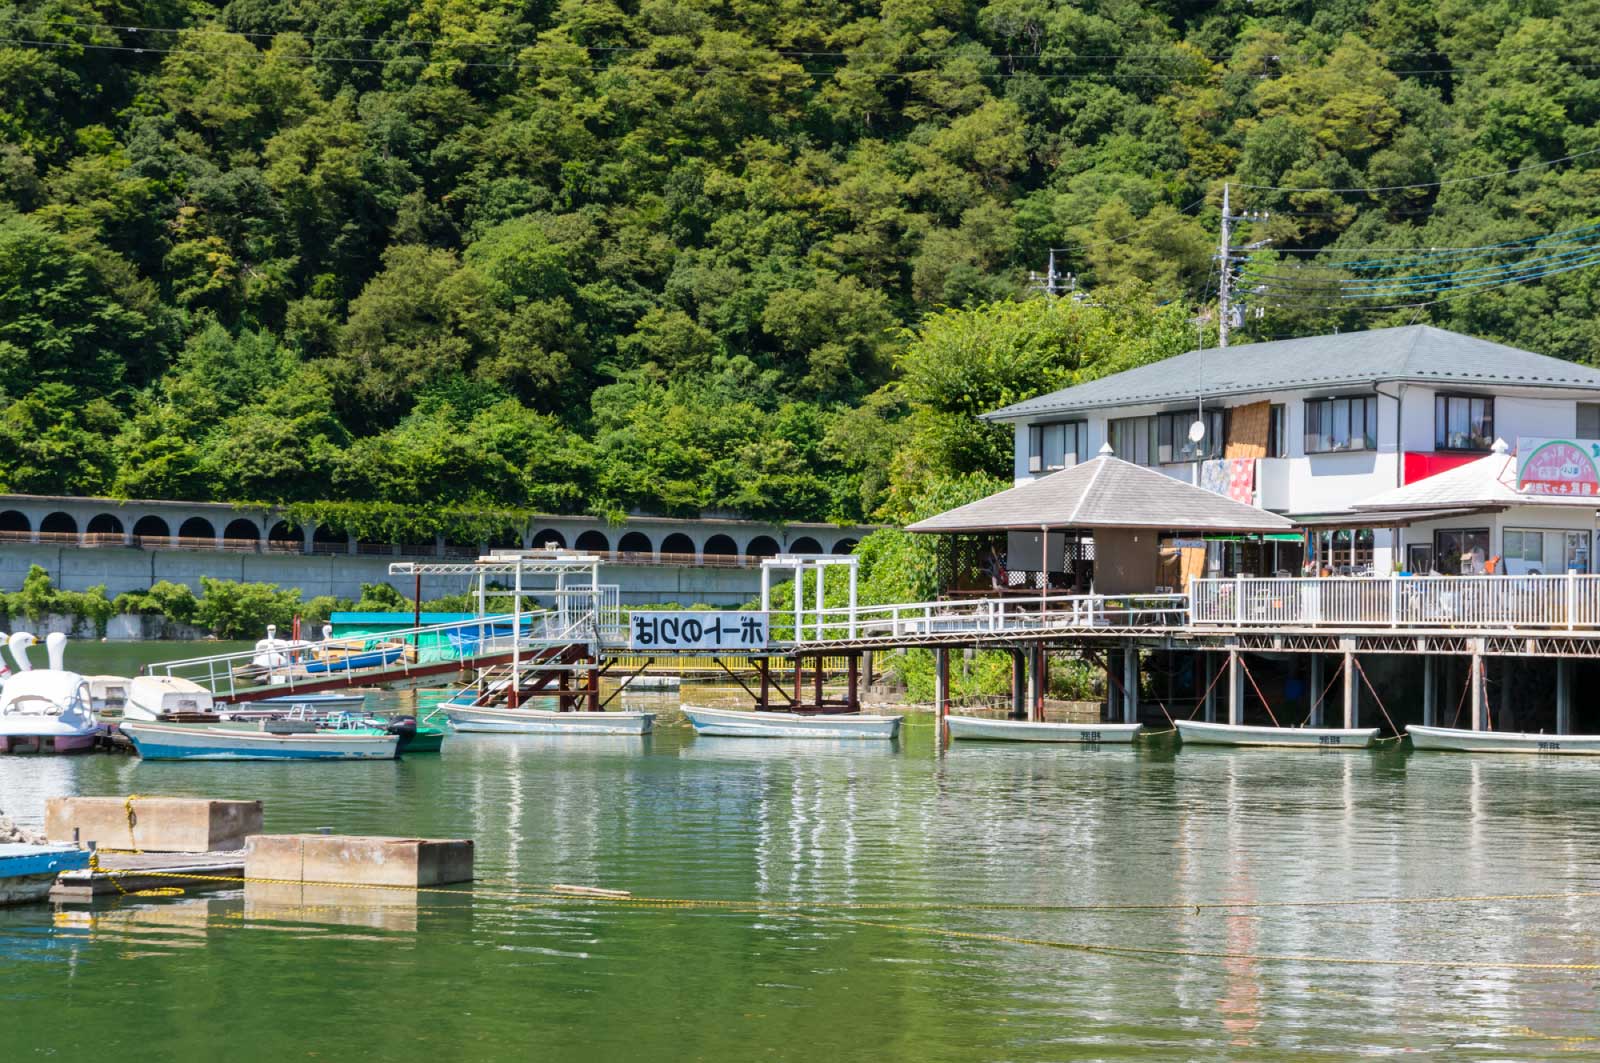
(982, 616)
(1541, 603)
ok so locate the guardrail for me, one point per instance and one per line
(981, 617)
(1569, 602)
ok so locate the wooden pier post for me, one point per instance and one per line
(1430, 692)
(799, 682)
(1315, 681)
(1475, 677)
(764, 670)
(1130, 684)
(1563, 696)
(1041, 681)
(1019, 686)
(1210, 687)
(1235, 689)
(852, 696)
(941, 690)
(816, 676)
(1352, 685)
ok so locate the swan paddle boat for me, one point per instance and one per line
(1457, 740)
(995, 730)
(1199, 733)
(737, 723)
(45, 710)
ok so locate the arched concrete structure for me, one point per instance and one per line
(285, 539)
(58, 525)
(636, 543)
(547, 536)
(762, 546)
(593, 542)
(805, 545)
(719, 545)
(151, 527)
(679, 545)
(845, 546)
(241, 530)
(197, 528)
(15, 524)
(105, 524)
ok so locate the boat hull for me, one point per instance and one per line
(1454, 740)
(47, 743)
(470, 718)
(972, 728)
(161, 741)
(733, 723)
(1195, 732)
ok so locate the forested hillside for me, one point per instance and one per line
(677, 256)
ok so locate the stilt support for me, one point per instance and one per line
(1210, 687)
(1130, 685)
(941, 690)
(1352, 689)
(1475, 677)
(1430, 692)
(1317, 682)
(1019, 685)
(1563, 696)
(1235, 689)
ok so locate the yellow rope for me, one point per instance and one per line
(111, 873)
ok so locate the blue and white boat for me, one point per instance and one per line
(353, 661)
(259, 740)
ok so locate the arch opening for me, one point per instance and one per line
(678, 543)
(805, 545)
(104, 524)
(547, 538)
(720, 545)
(594, 542)
(241, 529)
(151, 527)
(15, 521)
(845, 546)
(58, 524)
(197, 528)
(635, 543)
(762, 546)
(282, 536)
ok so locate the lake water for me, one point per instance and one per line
(987, 903)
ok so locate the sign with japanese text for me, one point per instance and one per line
(697, 630)
(1558, 467)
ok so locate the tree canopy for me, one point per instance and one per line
(759, 257)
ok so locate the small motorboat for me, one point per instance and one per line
(993, 730)
(1199, 733)
(108, 694)
(345, 661)
(464, 716)
(738, 723)
(335, 702)
(45, 710)
(1456, 740)
(168, 697)
(263, 740)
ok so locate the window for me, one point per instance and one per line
(1278, 431)
(1341, 424)
(1172, 437)
(1134, 439)
(1057, 445)
(1459, 551)
(1463, 422)
(1524, 546)
(1589, 420)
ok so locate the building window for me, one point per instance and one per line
(1463, 422)
(1056, 445)
(1341, 424)
(1172, 437)
(1589, 420)
(1461, 551)
(1134, 439)
(1278, 431)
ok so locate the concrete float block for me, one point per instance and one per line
(157, 824)
(363, 860)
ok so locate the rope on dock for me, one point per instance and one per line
(1362, 672)
(111, 874)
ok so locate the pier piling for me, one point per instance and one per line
(1315, 684)
(1563, 696)
(1235, 689)
(1476, 678)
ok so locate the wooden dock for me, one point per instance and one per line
(127, 873)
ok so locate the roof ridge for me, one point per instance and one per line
(1088, 487)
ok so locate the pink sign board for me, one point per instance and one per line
(1558, 467)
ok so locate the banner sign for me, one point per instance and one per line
(697, 630)
(1558, 467)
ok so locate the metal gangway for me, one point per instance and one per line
(582, 613)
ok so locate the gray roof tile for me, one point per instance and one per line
(1106, 492)
(1415, 353)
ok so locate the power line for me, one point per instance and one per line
(1435, 184)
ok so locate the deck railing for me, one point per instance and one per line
(984, 616)
(1541, 603)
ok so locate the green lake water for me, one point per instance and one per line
(945, 902)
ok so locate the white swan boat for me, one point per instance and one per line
(993, 730)
(741, 724)
(499, 720)
(1196, 732)
(254, 741)
(1456, 740)
(46, 710)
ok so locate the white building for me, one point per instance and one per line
(1314, 427)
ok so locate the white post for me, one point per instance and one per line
(516, 631)
(1572, 600)
(1130, 684)
(1238, 601)
(853, 567)
(1394, 599)
(821, 568)
(1235, 689)
(1430, 691)
(1352, 688)
(766, 588)
(1563, 696)
(1475, 673)
(799, 601)
(1315, 681)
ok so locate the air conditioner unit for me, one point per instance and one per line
(1035, 463)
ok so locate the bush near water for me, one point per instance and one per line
(423, 261)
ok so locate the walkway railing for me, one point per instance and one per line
(981, 617)
(1540, 603)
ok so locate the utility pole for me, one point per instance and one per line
(1051, 283)
(1225, 260)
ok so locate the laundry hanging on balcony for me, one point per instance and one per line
(1233, 477)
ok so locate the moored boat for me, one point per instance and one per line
(993, 730)
(500, 720)
(167, 697)
(737, 723)
(650, 684)
(1197, 732)
(1456, 740)
(260, 740)
(48, 710)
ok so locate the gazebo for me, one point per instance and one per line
(1105, 526)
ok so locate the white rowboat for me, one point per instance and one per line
(736, 723)
(974, 727)
(1454, 740)
(243, 741)
(1194, 732)
(543, 721)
